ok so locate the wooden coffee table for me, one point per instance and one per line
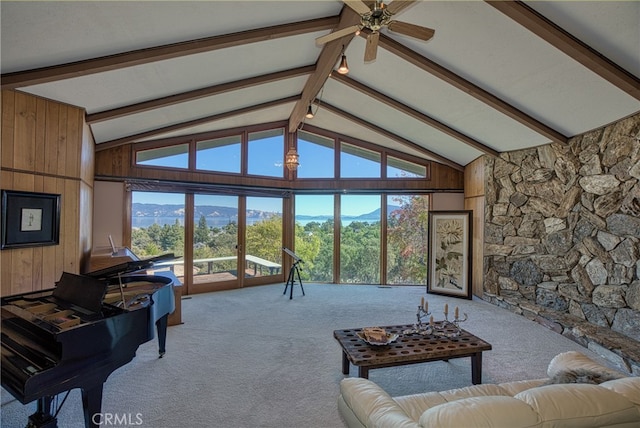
(410, 349)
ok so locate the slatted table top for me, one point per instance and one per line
(408, 348)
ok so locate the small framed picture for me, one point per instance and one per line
(449, 250)
(30, 219)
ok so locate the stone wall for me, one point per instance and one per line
(562, 227)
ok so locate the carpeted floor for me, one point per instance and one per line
(254, 358)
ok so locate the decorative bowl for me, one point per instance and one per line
(391, 337)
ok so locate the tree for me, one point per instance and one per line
(202, 234)
(407, 238)
(264, 239)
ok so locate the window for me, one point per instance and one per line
(157, 226)
(360, 239)
(266, 153)
(407, 240)
(220, 154)
(398, 168)
(356, 162)
(316, 156)
(171, 156)
(314, 229)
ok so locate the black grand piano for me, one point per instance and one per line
(76, 334)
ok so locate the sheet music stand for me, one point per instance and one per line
(293, 272)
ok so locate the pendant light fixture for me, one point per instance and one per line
(343, 68)
(291, 159)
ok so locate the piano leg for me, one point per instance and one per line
(92, 406)
(161, 327)
(43, 418)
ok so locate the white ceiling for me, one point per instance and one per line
(554, 95)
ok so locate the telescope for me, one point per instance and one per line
(293, 255)
(295, 271)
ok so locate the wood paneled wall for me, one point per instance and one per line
(47, 147)
(474, 200)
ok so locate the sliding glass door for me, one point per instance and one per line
(263, 240)
(215, 239)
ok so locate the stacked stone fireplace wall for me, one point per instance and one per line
(562, 227)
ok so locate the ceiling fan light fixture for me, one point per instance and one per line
(309, 114)
(343, 68)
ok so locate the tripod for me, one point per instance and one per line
(291, 280)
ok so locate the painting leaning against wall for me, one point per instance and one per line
(450, 253)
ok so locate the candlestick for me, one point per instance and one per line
(431, 321)
(426, 306)
(455, 313)
(421, 302)
(446, 308)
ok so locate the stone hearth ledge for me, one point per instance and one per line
(621, 350)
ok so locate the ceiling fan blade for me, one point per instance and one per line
(399, 5)
(337, 34)
(371, 49)
(411, 30)
(358, 6)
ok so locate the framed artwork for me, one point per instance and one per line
(449, 270)
(30, 219)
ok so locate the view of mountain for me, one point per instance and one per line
(147, 214)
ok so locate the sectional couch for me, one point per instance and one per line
(578, 393)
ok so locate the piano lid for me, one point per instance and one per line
(85, 292)
(122, 262)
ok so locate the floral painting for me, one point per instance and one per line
(449, 253)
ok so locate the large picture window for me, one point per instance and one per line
(348, 224)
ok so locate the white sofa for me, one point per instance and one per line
(527, 403)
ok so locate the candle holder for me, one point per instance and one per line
(445, 325)
(444, 328)
(421, 327)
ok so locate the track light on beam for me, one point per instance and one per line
(309, 114)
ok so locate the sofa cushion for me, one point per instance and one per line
(628, 386)
(414, 405)
(579, 405)
(372, 406)
(487, 412)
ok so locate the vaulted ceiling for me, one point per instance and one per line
(496, 76)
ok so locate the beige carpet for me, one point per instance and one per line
(254, 358)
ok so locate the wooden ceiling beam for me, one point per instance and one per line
(198, 93)
(195, 122)
(375, 128)
(403, 108)
(326, 62)
(565, 42)
(159, 53)
(464, 85)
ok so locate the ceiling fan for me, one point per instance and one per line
(374, 18)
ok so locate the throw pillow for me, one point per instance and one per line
(580, 376)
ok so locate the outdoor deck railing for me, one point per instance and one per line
(258, 263)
